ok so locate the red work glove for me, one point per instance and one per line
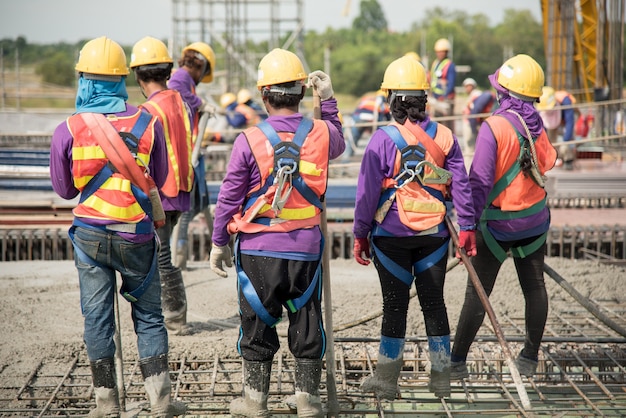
(467, 241)
(361, 246)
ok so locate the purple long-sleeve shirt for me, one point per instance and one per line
(482, 172)
(378, 163)
(61, 163)
(242, 175)
(182, 82)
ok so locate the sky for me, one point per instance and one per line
(127, 21)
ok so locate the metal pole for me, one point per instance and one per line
(517, 379)
(331, 386)
(119, 359)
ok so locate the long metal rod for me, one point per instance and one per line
(521, 390)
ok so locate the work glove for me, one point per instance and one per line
(321, 82)
(361, 246)
(207, 107)
(467, 241)
(219, 254)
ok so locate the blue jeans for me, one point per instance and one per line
(110, 253)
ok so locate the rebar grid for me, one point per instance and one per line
(581, 373)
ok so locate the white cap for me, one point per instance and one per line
(469, 81)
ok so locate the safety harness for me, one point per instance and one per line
(284, 178)
(527, 159)
(131, 140)
(412, 168)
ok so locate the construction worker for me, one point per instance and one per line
(196, 65)
(513, 153)
(244, 97)
(113, 227)
(442, 82)
(238, 115)
(559, 119)
(152, 66)
(418, 165)
(371, 107)
(270, 201)
(478, 102)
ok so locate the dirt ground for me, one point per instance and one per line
(39, 305)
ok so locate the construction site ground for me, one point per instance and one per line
(44, 370)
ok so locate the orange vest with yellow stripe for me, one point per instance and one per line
(522, 192)
(297, 212)
(418, 208)
(114, 200)
(169, 108)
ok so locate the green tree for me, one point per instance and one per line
(57, 69)
(371, 17)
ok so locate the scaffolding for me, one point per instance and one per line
(231, 27)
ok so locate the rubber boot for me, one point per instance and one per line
(384, 382)
(439, 352)
(256, 387)
(156, 378)
(105, 389)
(182, 254)
(174, 301)
(308, 376)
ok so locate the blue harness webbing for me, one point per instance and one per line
(297, 181)
(142, 199)
(244, 286)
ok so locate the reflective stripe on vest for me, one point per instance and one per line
(169, 108)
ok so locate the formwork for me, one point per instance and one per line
(581, 373)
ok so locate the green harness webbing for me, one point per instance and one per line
(495, 214)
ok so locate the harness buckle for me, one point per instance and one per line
(284, 186)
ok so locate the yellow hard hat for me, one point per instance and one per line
(102, 56)
(413, 55)
(442, 44)
(522, 75)
(280, 66)
(227, 99)
(149, 51)
(207, 52)
(405, 73)
(547, 100)
(243, 96)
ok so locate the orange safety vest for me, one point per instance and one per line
(522, 192)
(298, 212)
(252, 117)
(114, 200)
(418, 208)
(169, 108)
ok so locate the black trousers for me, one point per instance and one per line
(165, 234)
(405, 251)
(530, 276)
(276, 281)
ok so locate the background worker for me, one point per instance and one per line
(506, 176)
(278, 241)
(238, 115)
(152, 66)
(412, 161)
(478, 102)
(559, 119)
(371, 107)
(442, 81)
(196, 65)
(244, 97)
(113, 224)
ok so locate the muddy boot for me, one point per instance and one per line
(439, 352)
(156, 377)
(174, 301)
(308, 375)
(384, 382)
(105, 389)
(256, 387)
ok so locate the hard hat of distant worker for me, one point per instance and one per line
(280, 66)
(413, 55)
(243, 96)
(204, 52)
(522, 76)
(102, 56)
(547, 101)
(227, 99)
(405, 73)
(442, 44)
(469, 82)
(148, 51)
